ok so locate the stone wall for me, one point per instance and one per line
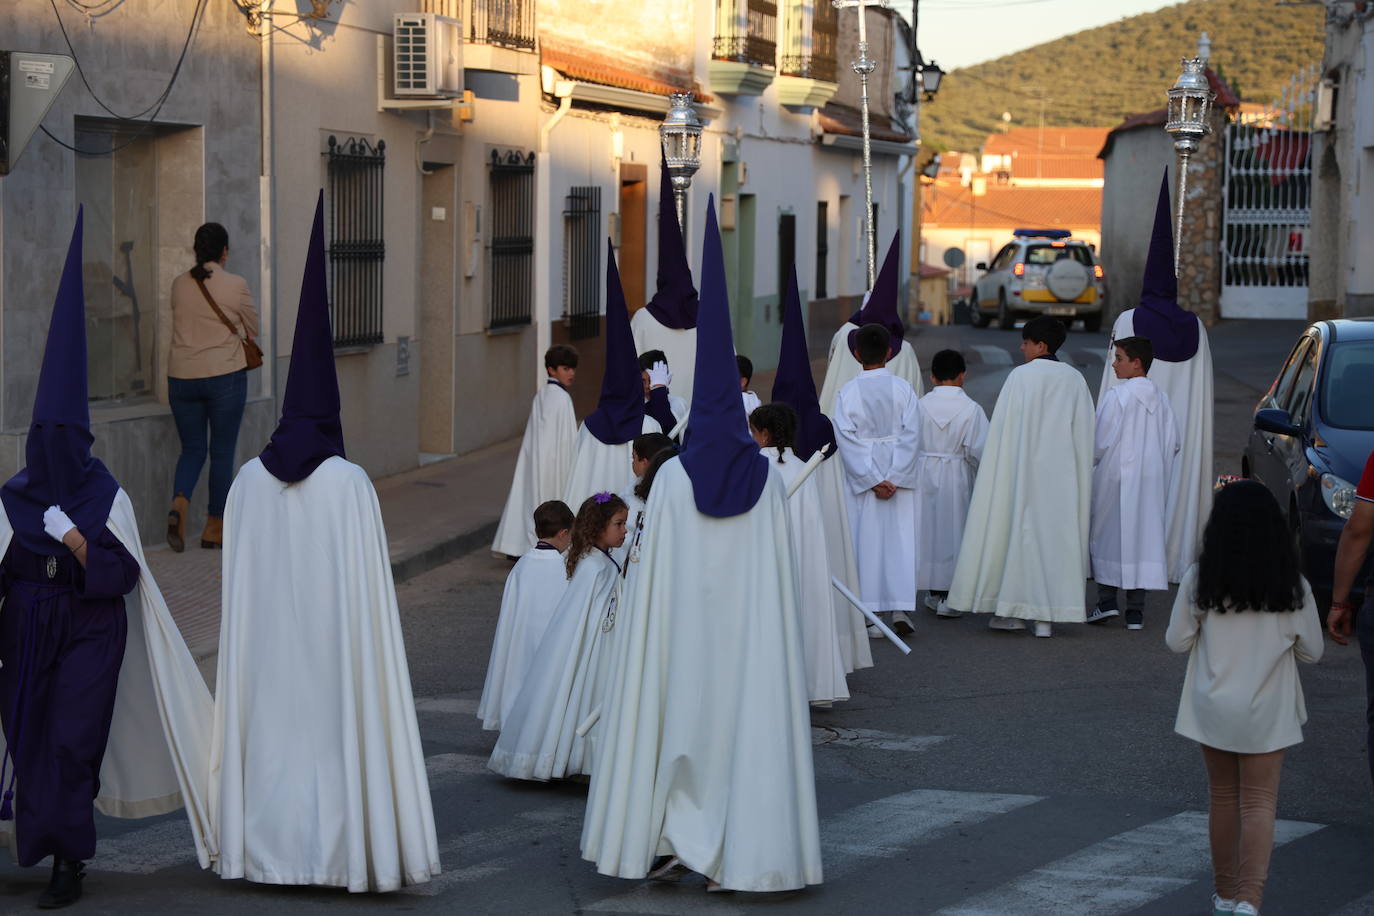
(1199, 264)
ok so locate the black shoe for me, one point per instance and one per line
(1135, 620)
(65, 887)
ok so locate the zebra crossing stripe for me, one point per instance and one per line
(834, 736)
(449, 705)
(1117, 875)
(993, 356)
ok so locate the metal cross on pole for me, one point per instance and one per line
(863, 67)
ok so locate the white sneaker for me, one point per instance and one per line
(1221, 906)
(1246, 909)
(944, 610)
(1043, 629)
(932, 602)
(1006, 623)
(901, 624)
(875, 633)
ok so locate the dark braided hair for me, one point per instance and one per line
(1249, 557)
(592, 519)
(211, 240)
(779, 421)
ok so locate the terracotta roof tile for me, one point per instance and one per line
(841, 119)
(594, 68)
(930, 271)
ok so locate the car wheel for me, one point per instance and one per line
(1092, 323)
(976, 316)
(1005, 319)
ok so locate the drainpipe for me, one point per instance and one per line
(543, 220)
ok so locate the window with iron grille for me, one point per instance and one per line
(822, 245)
(510, 282)
(787, 254)
(505, 23)
(582, 261)
(357, 250)
(809, 32)
(747, 31)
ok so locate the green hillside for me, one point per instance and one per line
(1097, 77)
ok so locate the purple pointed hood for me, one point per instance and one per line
(619, 415)
(1172, 330)
(310, 430)
(59, 469)
(674, 304)
(727, 470)
(881, 307)
(794, 384)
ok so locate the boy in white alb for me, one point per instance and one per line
(533, 589)
(1135, 457)
(954, 430)
(878, 428)
(746, 375)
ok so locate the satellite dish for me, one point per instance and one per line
(954, 257)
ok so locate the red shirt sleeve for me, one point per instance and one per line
(1366, 488)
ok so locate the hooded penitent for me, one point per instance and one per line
(725, 466)
(1172, 330)
(881, 305)
(60, 470)
(795, 385)
(674, 304)
(310, 430)
(619, 415)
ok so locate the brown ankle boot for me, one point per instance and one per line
(213, 536)
(176, 523)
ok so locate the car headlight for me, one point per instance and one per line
(1338, 494)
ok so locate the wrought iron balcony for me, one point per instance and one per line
(750, 39)
(503, 23)
(810, 32)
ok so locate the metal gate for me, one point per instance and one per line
(1267, 193)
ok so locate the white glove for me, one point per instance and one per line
(659, 376)
(56, 523)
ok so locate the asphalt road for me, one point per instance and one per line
(986, 773)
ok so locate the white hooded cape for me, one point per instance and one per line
(843, 367)
(1134, 458)
(539, 738)
(707, 751)
(1188, 386)
(954, 430)
(679, 346)
(601, 468)
(1025, 547)
(820, 636)
(541, 470)
(533, 589)
(850, 625)
(155, 761)
(317, 774)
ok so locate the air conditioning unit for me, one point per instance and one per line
(427, 56)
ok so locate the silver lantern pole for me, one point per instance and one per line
(863, 67)
(680, 137)
(1190, 102)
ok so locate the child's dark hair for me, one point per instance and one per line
(1046, 330)
(210, 242)
(1137, 348)
(560, 355)
(649, 357)
(596, 513)
(552, 517)
(646, 482)
(947, 365)
(647, 445)
(873, 343)
(779, 421)
(1249, 558)
(746, 367)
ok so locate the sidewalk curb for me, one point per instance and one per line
(437, 554)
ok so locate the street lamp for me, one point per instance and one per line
(1190, 102)
(931, 74)
(680, 136)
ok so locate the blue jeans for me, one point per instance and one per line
(216, 404)
(1364, 629)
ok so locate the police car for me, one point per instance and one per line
(1040, 272)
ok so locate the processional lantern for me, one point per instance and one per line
(680, 136)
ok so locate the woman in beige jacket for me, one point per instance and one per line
(1246, 617)
(207, 380)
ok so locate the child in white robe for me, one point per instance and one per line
(878, 428)
(954, 429)
(643, 449)
(1134, 461)
(664, 406)
(746, 375)
(539, 739)
(774, 428)
(541, 470)
(533, 589)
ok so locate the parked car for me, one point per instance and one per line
(1041, 272)
(1313, 431)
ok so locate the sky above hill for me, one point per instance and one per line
(957, 33)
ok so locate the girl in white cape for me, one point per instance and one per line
(539, 738)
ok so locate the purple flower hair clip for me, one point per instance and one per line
(602, 498)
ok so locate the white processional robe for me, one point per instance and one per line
(850, 625)
(1025, 547)
(820, 636)
(1188, 386)
(1134, 457)
(954, 430)
(541, 470)
(679, 346)
(601, 468)
(634, 521)
(159, 745)
(707, 730)
(877, 424)
(843, 367)
(317, 773)
(539, 740)
(533, 589)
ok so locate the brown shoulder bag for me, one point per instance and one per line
(252, 353)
